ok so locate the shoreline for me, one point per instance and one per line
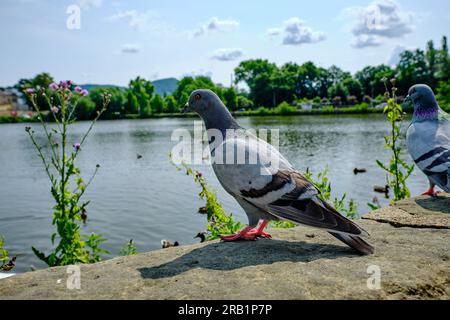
(256, 112)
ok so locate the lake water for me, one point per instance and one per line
(147, 199)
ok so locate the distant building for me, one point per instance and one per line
(306, 106)
(11, 100)
(7, 97)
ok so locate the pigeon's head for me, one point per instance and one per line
(424, 101)
(422, 96)
(201, 101)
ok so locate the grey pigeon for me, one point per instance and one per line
(264, 192)
(428, 138)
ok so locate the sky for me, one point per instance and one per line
(113, 41)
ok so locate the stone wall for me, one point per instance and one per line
(411, 261)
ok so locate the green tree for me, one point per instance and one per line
(443, 94)
(143, 90)
(412, 69)
(170, 104)
(257, 75)
(431, 56)
(353, 87)
(307, 81)
(324, 81)
(132, 106)
(371, 77)
(188, 84)
(336, 74)
(117, 103)
(40, 81)
(230, 97)
(338, 90)
(85, 109)
(157, 104)
(244, 103)
(443, 73)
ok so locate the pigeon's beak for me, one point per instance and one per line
(407, 99)
(186, 108)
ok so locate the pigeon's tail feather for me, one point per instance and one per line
(354, 242)
(319, 214)
(315, 213)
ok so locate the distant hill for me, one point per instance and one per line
(162, 86)
(94, 86)
(165, 86)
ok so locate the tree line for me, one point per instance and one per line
(270, 85)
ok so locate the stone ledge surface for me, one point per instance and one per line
(299, 263)
(419, 212)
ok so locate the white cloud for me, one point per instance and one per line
(295, 32)
(381, 20)
(87, 4)
(131, 48)
(196, 73)
(273, 32)
(216, 25)
(227, 54)
(142, 21)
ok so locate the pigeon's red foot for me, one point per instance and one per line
(430, 192)
(249, 233)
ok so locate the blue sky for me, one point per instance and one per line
(119, 40)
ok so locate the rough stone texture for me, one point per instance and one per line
(420, 212)
(300, 263)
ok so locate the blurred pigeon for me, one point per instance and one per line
(201, 235)
(359, 170)
(381, 189)
(428, 138)
(84, 215)
(10, 265)
(264, 192)
(167, 244)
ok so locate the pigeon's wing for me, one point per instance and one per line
(248, 164)
(303, 206)
(280, 191)
(429, 145)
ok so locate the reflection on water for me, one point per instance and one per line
(147, 200)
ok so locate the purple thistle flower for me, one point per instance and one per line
(84, 92)
(53, 86)
(78, 89)
(77, 146)
(64, 84)
(29, 90)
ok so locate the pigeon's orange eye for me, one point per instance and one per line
(197, 97)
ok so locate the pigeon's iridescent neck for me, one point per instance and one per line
(425, 113)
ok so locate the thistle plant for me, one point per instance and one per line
(398, 170)
(219, 223)
(67, 184)
(323, 184)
